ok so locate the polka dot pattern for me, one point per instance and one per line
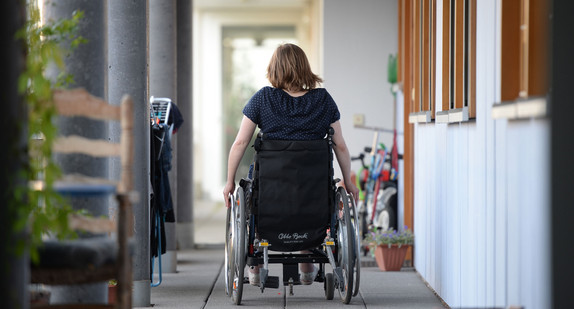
(281, 116)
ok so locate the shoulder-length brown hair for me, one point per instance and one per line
(289, 69)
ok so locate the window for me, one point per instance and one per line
(417, 40)
(458, 61)
(524, 59)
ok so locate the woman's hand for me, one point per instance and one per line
(227, 191)
(352, 189)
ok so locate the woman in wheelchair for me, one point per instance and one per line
(293, 109)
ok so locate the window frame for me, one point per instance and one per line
(421, 30)
(458, 102)
(524, 75)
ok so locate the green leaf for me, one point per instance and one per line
(42, 212)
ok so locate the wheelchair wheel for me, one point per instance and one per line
(386, 219)
(357, 238)
(346, 247)
(329, 286)
(238, 243)
(229, 265)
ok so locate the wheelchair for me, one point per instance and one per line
(289, 203)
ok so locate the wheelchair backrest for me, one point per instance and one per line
(294, 188)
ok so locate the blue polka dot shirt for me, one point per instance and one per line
(281, 116)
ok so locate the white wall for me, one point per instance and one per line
(210, 157)
(481, 210)
(207, 106)
(358, 38)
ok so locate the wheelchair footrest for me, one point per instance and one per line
(272, 282)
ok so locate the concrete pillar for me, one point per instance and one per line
(185, 133)
(163, 83)
(14, 267)
(562, 167)
(87, 64)
(128, 74)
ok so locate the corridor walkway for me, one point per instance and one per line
(199, 282)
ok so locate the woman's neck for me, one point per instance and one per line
(296, 93)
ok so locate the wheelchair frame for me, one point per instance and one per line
(340, 249)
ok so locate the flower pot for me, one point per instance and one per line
(112, 294)
(390, 258)
(40, 297)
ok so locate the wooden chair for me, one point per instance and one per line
(98, 259)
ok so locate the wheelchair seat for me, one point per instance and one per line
(292, 192)
(287, 204)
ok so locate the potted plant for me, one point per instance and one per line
(389, 247)
(112, 291)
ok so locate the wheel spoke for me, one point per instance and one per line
(239, 247)
(346, 247)
(357, 253)
(229, 257)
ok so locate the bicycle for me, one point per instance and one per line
(378, 190)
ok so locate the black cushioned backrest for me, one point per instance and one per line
(294, 179)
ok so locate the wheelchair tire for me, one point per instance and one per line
(386, 219)
(239, 245)
(346, 247)
(358, 239)
(229, 265)
(329, 286)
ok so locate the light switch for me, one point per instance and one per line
(359, 119)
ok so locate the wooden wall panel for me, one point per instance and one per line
(510, 41)
(416, 93)
(426, 61)
(538, 61)
(446, 55)
(408, 108)
(472, 59)
(459, 54)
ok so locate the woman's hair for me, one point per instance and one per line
(289, 69)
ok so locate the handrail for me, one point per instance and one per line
(378, 129)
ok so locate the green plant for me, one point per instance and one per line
(377, 237)
(42, 210)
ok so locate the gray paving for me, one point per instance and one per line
(199, 283)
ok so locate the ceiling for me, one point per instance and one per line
(250, 4)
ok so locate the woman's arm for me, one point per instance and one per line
(344, 159)
(236, 153)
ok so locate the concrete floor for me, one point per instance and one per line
(199, 281)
